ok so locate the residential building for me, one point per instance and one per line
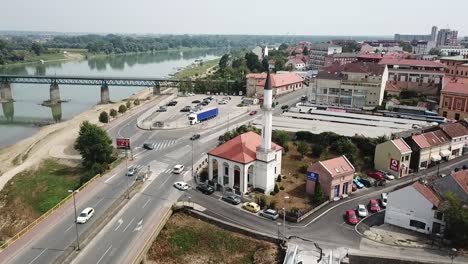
(393, 156)
(295, 64)
(281, 83)
(261, 52)
(458, 135)
(318, 52)
(340, 58)
(415, 207)
(411, 37)
(423, 47)
(457, 183)
(453, 50)
(428, 149)
(356, 85)
(381, 46)
(335, 177)
(464, 42)
(454, 99)
(456, 66)
(447, 37)
(417, 71)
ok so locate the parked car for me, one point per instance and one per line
(222, 102)
(376, 175)
(270, 213)
(387, 175)
(181, 186)
(149, 146)
(162, 109)
(373, 206)
(383, 200)
(186, 109)
(206, 189)
(361, 210)
(85, 215)
(190, 94)
(358, 184)
(253, 113)
(369, 182)
(205, 103)
(354, 187)
(195, 137)
(465, 167)
(178, 169)
(251, 206)
(132, 171)
(351, 217)
(232, 199)
(195, 101)
(172, 103)
(284, 107)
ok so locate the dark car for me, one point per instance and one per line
(205, 103)
(195, 137)
(284, 107)
(270, 213)
(186, 109)
(232, 199)
(195, 101)
(172, 103)
(465, 167)
(369, 182)
(376, 175)
(206, 189)
(149, 146)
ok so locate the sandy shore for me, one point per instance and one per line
(55, 141)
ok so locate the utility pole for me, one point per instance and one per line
(193, 175)
(126, 173)
(76, 218)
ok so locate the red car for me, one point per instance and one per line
(253, 113)
(351, 217)
(376, 175)
(374, 206)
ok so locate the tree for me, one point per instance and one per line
(319, 196)
(262, 201)
(276, 190)
(281, 137)
(37, 48)
(94, 145)
(252, 62)
(406, 46)
(434, 51)
(283, 46)
(128, 104)
(279, 64)
(223, 62)
(305, 51)
(122, 109)
(317, 150)
(136, 102)
(113, 113)
(104, 117)
(344, 146)
(279, 178)
(456, 216)
(265, 64)
(272, 204)
(303, 148)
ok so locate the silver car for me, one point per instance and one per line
(270, 213)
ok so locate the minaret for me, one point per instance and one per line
(267, 114)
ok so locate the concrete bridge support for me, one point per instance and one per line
(157, 89)
(105, 99)
(5, 92)
(54, 93)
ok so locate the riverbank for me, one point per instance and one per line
(198, 71)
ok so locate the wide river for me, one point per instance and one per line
(28, 97)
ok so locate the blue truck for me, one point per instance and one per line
(202, 115)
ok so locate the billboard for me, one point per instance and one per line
(123, 143)
(394, 165)
(312, 176)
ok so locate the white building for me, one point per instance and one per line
(261, 52)
(415, 207)
(248, 161)
(296, 64)
(447, 50)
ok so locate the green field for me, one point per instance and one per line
(196, 71)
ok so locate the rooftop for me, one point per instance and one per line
(427, 192)
(409, 62)
(401, 145)
(455, 130)
(278, 80)
(337, 166)
(334, 71)
(421, 141)
(457, 183)
(456, 86)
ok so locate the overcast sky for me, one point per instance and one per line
(279, 17)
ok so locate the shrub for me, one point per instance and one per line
(279, 178)
(272, 193)
(136, 102)
(262, 201)
(122, 109)
(104, 117)
(113, 113)
(282, 187)
(317, 150)
(303, 148)
(303, 169)
(319, 196)
(204, 175)
(276, 190)
(272, 204)
(129, 104)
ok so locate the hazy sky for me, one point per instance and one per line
(298, 17)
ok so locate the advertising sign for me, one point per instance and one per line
(123, 143)
(394, 165)
(312, 176)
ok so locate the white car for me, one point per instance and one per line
(222, 102)
(361, 210)
(387, 175)
(181, 186)
(178, 169)
(191, 94)
(85, 215)
(383, 199)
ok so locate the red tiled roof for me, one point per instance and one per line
(455, 130)
(370, 56)
(355, 67)
(296, 60)
(409, 62)
(278, 80)
(337, 166)
(441, 136)
(241, 149)
(421, 141)
(432, 139)
(428, 193)
(461, 177)
(391, 87)
(401, 145)
(257, 75)
(456, 87)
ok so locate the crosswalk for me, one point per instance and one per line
(163, 144)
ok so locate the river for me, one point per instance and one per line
(28, 97)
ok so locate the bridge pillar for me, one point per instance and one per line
(54, 93)
(5, 92)
(157, 89)
(105, 99)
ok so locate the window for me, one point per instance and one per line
(275, 170)
(457, 116)
(458, 104)
(444, 114)
(423, 164)
(417, 224)
(407, 158)
(446, 102)
(438, 215)
(402, 159)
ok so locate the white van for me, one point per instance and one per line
(178, 169)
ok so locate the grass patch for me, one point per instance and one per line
(190, 72)
(188, 240)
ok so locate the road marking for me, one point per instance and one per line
(146, 203)
(160, 186)
(40, 254)
(110, 178)
(69, 228)
(120, 223)
(139, 226)
(129, 224)
(100, 200)
(105, 253)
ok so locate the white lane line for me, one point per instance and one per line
(110, 178)
(105, 253)
(129, 224)
(146, 203)
(100, 200)
(69, 228)
(160, 186)
(120, 223)
(42, 252)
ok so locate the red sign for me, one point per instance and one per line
(394, 165)
(123, 143)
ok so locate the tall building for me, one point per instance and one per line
(319, 52)
(434, 33)
(447, 37)
(412, 37)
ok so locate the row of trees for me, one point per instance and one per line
(104, 116)
(17, 49)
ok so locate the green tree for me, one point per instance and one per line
(319, 196)
(223, 62)
(279, 178)
(276, 190)
(406, 46)
(456, 216)
(303, 148)
(265, 64)
(281, 137)
(305, 51)
(37, 48)
(283, 46)
(344, 146)
(272, 204)
(262, 201)
(95, 146)
(434, 51)
(122, 109)
(113, 113)
(104, 117)
(128, 104)
(253, 62)
(317, 150)
(136, 102)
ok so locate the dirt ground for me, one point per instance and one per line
(185, 239)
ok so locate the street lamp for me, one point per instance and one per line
(279, 224)
(453, 254)
(76, 223)
(284, 217)
(126, 173)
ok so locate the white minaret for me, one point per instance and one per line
(268, 164)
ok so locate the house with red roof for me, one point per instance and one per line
(458, 134)
(335, 177)
(295, 63)
(454, 99)
(394, 157)
(281, 83)
(428, 149)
